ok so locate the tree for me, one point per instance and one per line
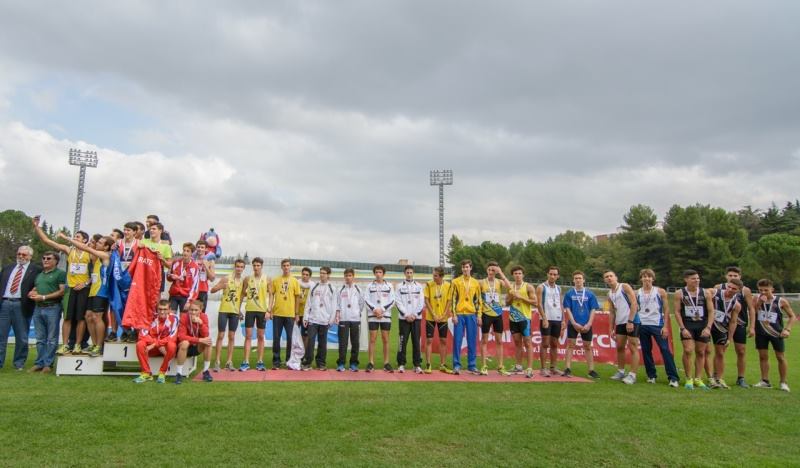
(567, 257)
(750, 220)
(16, 230)
(778, 257)
(577, 238)
(645, 243)
(453, 246)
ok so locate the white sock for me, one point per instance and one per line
(179, 369)
(206, 365)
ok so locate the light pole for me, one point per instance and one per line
(441, 178)
(83, 159)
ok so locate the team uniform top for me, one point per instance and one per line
(466, 296)
(231, 300)
(127, 252)
(202, 275)
(188, 279)
(551, 302)
(520, 310)
(438, 295)
(99, 287)
(410, 300)
(77, 267)
(286, 290)
(379, 295)
(769, 318)
(580, 304)
(651, 307)
(305, 288)
(622, 306)
(743, 317)
(190, 331)
(723, 310)
(490, 293)
(349, 302)
(160, 331)
(693, 308)
(164, 249)
(256, 294)
(320, 304)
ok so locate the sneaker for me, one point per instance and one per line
(428, 369)
(275, 366)
(143, 378)
(763, 384)
(651, 380)
(713, 383)
(229, 366)
(473, 371)
(322, 368)
(673, 383)
(698, 383)
(111, 337)
(556, 372)
(161, 378)
(340, 368)
(542, 372)
(517, 369)
(354, 367)
(216, 367)
(619, 375)
(629, 379)
(388, 368)
(784, 387)
(86, 349)
(445, 369)
(261, 367)
(740, 382)
(244, 367)
(484, 370)
(63, 350)
(688, 385)
(417, 370)
(178, 379)
(401, 369)
(77, 350)
(594, 375)
(305, 368)
(370, 367)
(722, 384)
(502, 371)
(95, 351)
(456, 371)
(567, 372)
(529, 373)
(207, 376)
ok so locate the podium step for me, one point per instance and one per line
(118, 359)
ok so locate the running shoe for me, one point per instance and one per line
(619, 375)
(322, 368)
(178, 379)
(143, 377)
(542, 372)
(712, 383)
(556, 372)
(388, 368)
(95, 351)
(698, 383)
(445, 369)
(261, 367)
(275, 366)
(484, 370)
(86, 349)
(674, 383)
(244, 367)
(473, 371)
(305, 368)
(417, 370)
(161, 378)
(688, 385)
(629, 379)
(428, 369)
(529, 373)
(740, 382)
(517, 369)
(456, 371)
(401, 369)
(63, 350)
(340, 368)
(111, 337)
(567, 372)
(502, 371)
(763, 384)
(77, 350)
(722, 384)
(353, 368)
(216, 367)
(651, 380)
(229, 366)
(784, 387)
(207, 376)
(594, 374)
(370, 367)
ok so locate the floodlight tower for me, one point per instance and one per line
(82, 159)
(441, 178)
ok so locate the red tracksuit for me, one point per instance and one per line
(161, 333)
(185, 279)
(192, 332)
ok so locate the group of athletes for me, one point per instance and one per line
(706, 317)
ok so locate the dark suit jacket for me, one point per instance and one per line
(25, 286)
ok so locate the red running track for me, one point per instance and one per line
(378, 376)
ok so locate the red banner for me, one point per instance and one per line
(604, 348)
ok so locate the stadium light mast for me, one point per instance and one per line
(82, 159)
(441, 178)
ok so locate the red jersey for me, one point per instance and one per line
(185, 279)
(203, 275)
(190, 331)
(161, 331)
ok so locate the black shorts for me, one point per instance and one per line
(77, 304)
(697, 335)
(622, 330)
(572, 333)
(192, 351)
(763, 342)
(257, 318)
(202, 296)
(718, 337)
(227, 322)
(177, 303)
(523, 327)
(553, 328)
(489, 322)
(431, 325)
(740, 334)
(98, 304)
(384, 326)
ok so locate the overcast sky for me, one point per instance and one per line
(307, 129)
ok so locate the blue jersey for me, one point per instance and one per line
(581, 304)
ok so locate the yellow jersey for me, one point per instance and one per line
(521, 306)
(437, 295)
(286, 289)
(97, 279)
(467, 296)
(77, 267)
(490, 294)
(304, 296)
(256, 294)
(231, 301)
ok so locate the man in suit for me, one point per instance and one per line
(16, 309)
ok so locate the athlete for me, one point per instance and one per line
(78, 281)
(206, 271)
(467, 302)
(305, 287)
(490, 318)
(438, 302)
(726, 313)
(284, 303)
(521, 298)
(126, 247)
(349, 304)
(255, 291)
(624, 325)
(770, 330)
(580, 305)
(379, 297)
(745, 324)
(654, 316)
(230, 307)
(695, 316)
(185, 277)
(157, 340)
(193, 340)
(552, 321)
(320, 313)
(410, 302)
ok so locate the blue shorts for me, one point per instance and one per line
(523, 328)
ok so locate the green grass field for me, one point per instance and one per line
(70, 421)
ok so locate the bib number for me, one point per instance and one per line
(78, 268)
(771, 317)
(719, 316)
(695, 312)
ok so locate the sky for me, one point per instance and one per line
(307, 129)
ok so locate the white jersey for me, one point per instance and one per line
(349, 303)
(551, 302)
(321, 304)
(379, 296)
(622, 306)
(651, 307)
(410, 299)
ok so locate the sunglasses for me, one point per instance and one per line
(47, 259)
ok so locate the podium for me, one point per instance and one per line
(118, 359)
